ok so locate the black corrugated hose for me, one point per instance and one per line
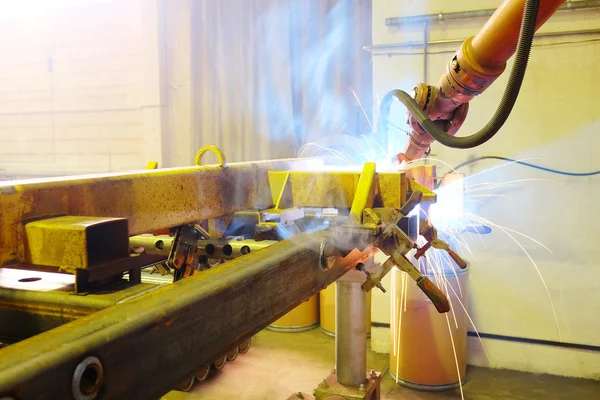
(506, 105)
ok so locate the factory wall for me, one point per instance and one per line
(270, 76)
(106, 85)
(555, 123)
(79, 87)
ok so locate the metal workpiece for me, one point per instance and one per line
(327, 189)
(196, 320)
(223, 249)
(282, 215)
(351, 332)
(76, 242)
(213, 310)
(148, 199)
(36, 301)
(152, 244)
(94, 249)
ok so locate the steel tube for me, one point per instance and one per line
(170, 332)
(230, 249)
(226, 249)
(453, 16)
(386, 48)
(351, 333)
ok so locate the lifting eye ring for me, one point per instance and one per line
(215, 150)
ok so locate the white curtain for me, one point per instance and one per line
(271, 75)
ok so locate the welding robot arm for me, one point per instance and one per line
(436, 113)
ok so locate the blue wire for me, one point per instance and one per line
(526, 164)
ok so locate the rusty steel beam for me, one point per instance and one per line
(148, 344)
(149, 199)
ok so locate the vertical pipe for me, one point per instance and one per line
(351, 333)
(425, 49)
(425, 60)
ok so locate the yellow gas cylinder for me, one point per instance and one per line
(428, 350)
(302, 318)
(327, 308)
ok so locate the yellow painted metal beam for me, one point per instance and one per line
(74, 242)
(148, 199)
(338, 189)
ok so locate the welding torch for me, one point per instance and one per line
(437, 112)
(396, 244)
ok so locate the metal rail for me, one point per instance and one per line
(194, 320)
(387, 48)
(453, 16)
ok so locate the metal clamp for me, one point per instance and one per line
(183, 257)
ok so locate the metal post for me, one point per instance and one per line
(425, 51)
(426, 61)
(351, 332)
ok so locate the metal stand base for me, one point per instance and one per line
(424, 387)
(291, 329)
(332, 334)
(331, 389)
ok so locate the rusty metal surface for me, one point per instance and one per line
(195, 319)
(148, 199)
(76, 242)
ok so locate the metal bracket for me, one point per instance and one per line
(330, 388)
(183, 257)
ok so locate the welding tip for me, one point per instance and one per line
(437, 297)
(462, 264)
(413, 201)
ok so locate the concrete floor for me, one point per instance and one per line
(279, 365)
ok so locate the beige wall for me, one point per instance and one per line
(79, 88)
(175, 33)
(555, 122)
